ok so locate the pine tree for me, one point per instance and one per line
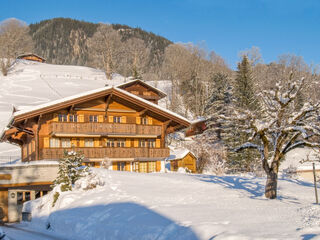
(70, 170)
(243, 86)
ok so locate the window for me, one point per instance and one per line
(121, 143)
(62, 117)
(151, 143)
(110, 143)
(65, 142)
(88, 142)
(142, 143)
(93, 118)
(73, 118)
(143, 167)
(121, 166)
(54, 142)
(117, 119)
(144, 120)
(151, 166)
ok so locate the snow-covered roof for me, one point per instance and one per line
(200, 119)
(177, 153)
(61, 100)
(30, 54)
(163, 94)
(152, 104)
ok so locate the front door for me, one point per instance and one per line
(121, 166)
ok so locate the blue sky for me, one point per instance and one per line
(226, 26)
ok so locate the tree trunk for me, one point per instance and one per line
(271, 184)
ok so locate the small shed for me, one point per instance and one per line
(182, 157)
(32, 57)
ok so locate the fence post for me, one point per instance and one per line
(315, 182)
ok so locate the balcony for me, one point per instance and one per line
(104, 128)
(105, 152)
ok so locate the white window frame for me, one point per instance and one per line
(65, 143)
(54, 143)
(88, 142)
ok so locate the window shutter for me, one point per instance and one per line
(100, 118)
(138, 120)
(149, 120)
(96, 142)
(136, 143)
(81, 118)
(46, 143)
(81, 142)
(74, 142)
(123, 119)
(128, 142)
(110, 119)
(157, 143)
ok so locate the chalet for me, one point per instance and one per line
(107, 124)
(120, 125)
(32, 57)
(181, 157)
(196, 127)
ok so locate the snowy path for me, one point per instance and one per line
(17, 233)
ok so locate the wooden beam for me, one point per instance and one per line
(164, 131)
(107, 102)
(37, 138)
(143, 112)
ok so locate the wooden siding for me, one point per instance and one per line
(57, 153)
(98, 128)
(189, 161)
(4, 203)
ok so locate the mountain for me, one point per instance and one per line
(64, 40)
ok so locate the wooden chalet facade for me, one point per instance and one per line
(121, 125)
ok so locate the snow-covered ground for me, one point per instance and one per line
(180, 206)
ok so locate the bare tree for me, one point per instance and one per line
(14, 40)
(253, 54)
(136, 57)
(105, 49)
(278, 128)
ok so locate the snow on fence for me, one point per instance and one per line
(71, 76)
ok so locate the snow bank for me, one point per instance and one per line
(179, 206)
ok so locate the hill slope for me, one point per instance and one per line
(64, 40)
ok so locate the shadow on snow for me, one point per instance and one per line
(125, 220)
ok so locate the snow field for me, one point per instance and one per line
(180, 206)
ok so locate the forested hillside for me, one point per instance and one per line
(64, 40)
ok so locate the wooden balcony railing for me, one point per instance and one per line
(57, 153)
(104, 128)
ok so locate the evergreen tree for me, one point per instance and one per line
(244, 98)
(243, 88)
(70, 170)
